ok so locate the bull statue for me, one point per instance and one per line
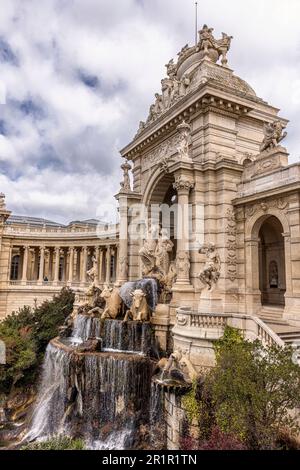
(139, 310)
(113, 302)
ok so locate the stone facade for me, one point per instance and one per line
(38, 258)
(212, 147)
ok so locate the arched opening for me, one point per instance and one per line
(272, 280)
(162, 209)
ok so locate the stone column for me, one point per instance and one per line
(25, 264)
(122, 272)
(84, 252)
(108, 259)
(96, 254)
(101, 266)
(183, 184)
(252, 294)
(42, 262)
(57, 259)
(71, 265)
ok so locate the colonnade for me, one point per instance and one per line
(62, 265)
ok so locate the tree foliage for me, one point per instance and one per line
(57, 443)
(250, 394)
(26, 334)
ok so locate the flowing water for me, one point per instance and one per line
(102, 397)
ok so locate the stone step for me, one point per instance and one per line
(272, 313)
(289, 334)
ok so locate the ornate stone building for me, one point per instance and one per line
(211, 147)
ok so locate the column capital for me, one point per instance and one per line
(183, 183)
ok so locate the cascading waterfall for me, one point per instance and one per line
(134, 337)
(85, 327)
(103, 397)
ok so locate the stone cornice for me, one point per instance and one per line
(278, 191)
(205, 98)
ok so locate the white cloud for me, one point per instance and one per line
(63, 161)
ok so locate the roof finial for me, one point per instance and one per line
(196, 23)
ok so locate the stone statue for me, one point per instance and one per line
(183, 51)
(123, 263)
(159, 104)
(183, 86)
(163, 247)
(184, 135)
(171, 69)
(147, 253)
(223, 46)
(211, 272)
(113, 302)
(92, 273)
(139, 310)
(273, 135)
(125, 185)
(206, 39)
(2, 201)
(183, 264)
(213, 48)
(178, 367)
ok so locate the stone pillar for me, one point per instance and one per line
(183, 184)
(108, 259)
(42, 262)
(71, 265)
(122, 272)
(96, 254)
(101, 266)
(84, 252)
(253, 294)
(25, 264)
(57, 259)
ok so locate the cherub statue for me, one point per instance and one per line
(273, 135)
(211, 272)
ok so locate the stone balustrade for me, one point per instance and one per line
(196, 332)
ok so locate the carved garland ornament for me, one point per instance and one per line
(231, 259)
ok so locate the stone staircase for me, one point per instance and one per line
(272, 316)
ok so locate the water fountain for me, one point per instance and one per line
(101, 396)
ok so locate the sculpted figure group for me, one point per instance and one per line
(174, 88)
(155, 258)
(273, 135)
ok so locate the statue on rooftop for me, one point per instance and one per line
(213, 48)
(125, 184)
(273, 135)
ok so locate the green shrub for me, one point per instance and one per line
(56, 443)
(249, 395)
(26, 334)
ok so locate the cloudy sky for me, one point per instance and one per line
(80, 74)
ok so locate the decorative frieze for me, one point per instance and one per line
(265, 205)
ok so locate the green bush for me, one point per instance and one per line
(56, 443)
(250, 394)
(26, 334)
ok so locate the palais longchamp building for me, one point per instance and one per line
(213, 149)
